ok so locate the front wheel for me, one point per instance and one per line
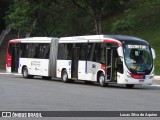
(101, 80)
(65, 76)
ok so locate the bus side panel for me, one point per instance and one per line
(35, 66)
(64, 64)
(82, 70)
(87, 70)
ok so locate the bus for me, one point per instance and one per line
(102, 59)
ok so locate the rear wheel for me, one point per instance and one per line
(25, 73)
(65, 76)
(129, 86)
(101, 80)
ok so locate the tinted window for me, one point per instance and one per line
(35, 50)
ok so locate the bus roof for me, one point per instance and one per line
(34, 40)
(124, 38)
(88, 38)
(117, 39)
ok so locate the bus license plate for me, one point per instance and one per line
(141, 80)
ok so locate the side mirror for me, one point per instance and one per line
(120, 52)
(153, 53)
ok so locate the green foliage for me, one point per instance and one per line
(60, 17)
(140, 15)
(124, 24)
(19, 15)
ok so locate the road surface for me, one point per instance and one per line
(19, 94)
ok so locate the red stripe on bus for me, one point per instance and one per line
(14, 41)
(112, 41)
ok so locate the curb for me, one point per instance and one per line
(156, 80)
(157, 77)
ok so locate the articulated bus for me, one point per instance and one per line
(103, 59)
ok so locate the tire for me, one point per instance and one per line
(129, 86)
(25, 73)
(101, 79)
(46, 77)
(64, 76)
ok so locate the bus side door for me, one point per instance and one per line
(15, 58)
(75, 59)
(111, 63)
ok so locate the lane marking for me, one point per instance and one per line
(6, 73)
(16, 74)
(156, 85)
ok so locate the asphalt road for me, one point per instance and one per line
(19, 94)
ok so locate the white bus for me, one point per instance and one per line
(94, 58)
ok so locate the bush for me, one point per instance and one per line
(138, 17)
(125, 23)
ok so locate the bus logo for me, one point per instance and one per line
(6, 114)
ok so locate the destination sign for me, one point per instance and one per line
(137, 46)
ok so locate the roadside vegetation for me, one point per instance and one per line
(80, 17)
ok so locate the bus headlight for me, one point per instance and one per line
(128, 75)
(151, 76)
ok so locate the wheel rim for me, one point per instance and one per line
(65, 76)
(25, 72)
(101, 80)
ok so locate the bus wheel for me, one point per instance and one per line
(101, 80)
(129, 85)
(25, 73)
(64, 76)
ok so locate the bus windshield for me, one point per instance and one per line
(138, 58)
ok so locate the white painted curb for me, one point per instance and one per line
(157, 77)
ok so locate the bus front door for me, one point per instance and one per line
(111, 56)
(15, 58)
(74, 67)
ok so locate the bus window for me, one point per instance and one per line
(32, 50)
(62, 51)
(83, 51)
(69, 49)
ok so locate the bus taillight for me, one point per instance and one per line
(9, 64)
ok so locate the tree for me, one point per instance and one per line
(4, 4)
(18, 16)
(60, 17)
(98, 9)
(46, 17)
